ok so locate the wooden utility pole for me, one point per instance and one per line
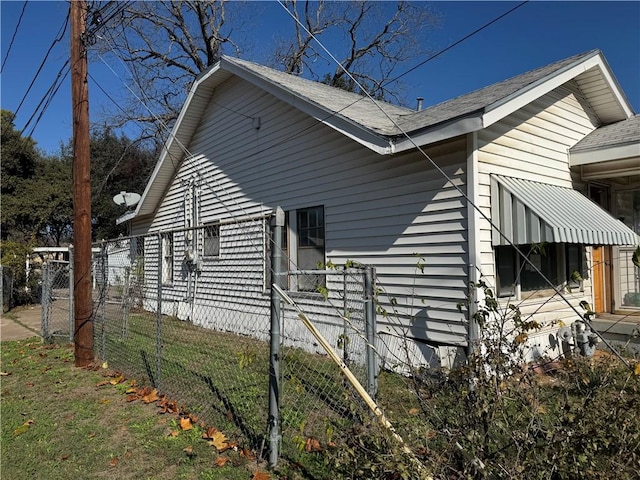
(83, 308)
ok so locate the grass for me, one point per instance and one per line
(224, 379)
(58, 424)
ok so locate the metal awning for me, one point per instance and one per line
(529, 212)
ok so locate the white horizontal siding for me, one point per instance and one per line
(379, 210)
(533, 144)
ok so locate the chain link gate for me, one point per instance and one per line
(57, 301)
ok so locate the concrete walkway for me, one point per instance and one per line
(20, 323)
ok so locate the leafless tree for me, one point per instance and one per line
(166, 44)
(371, 40)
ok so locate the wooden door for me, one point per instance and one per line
(601, 279)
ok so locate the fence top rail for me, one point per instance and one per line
(337, 271)
(230, 221)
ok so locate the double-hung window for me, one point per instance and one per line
(303, 249)
(211, 243)
(310, 246)
(167, 258)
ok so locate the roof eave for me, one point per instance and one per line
(378, 142)
(175, 147)
(509, 104)
(442, 131)
(604, 154)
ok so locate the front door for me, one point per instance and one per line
(602, 279)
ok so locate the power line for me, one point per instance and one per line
(61, 33)
(13, 37)
(454, 44)
(48, 97)
(463, 194)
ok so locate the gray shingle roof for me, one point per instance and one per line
(483, 98)
(357, 108)
(396, 120)
(619, 133)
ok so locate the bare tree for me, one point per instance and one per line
(166, 44)
(377, 40)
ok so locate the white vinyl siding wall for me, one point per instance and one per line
(533, 144)
(379, 210)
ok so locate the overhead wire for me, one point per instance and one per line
(13, 37)
(456, 43)
(48, 97)
(468, 200)
(58, 39)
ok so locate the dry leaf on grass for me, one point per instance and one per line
(188, 450)
(151, 397)
(113, 462)
(117, 380)
(219, 441)
(261, 476)
(312, 445)
(221, 461)
(185, 423)
(22, 428)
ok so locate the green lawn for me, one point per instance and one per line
(57, 423)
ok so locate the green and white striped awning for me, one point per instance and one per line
(529, 212)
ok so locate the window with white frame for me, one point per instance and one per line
(560, 263)
(309, 236)
(303, 248)
(211, 242)
(167, 258)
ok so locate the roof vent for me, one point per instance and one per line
(419, 107)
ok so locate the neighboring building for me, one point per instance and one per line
(376, 183)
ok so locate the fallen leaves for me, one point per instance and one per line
(261, 476)
(312, 445)
(217, 439)
(150, 397)
(23, 428)
(186, 422)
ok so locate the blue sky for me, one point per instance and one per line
(534, 35)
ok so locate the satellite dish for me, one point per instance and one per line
(127, 199)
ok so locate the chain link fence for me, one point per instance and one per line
(189, 312)
(286, 370)
(57, 301)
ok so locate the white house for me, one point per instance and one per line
(376, 183)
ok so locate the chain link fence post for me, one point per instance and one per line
(370, 325)
(277, 224)
(71, 295)
(44, 302)
(159, 317)
(102, 297)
